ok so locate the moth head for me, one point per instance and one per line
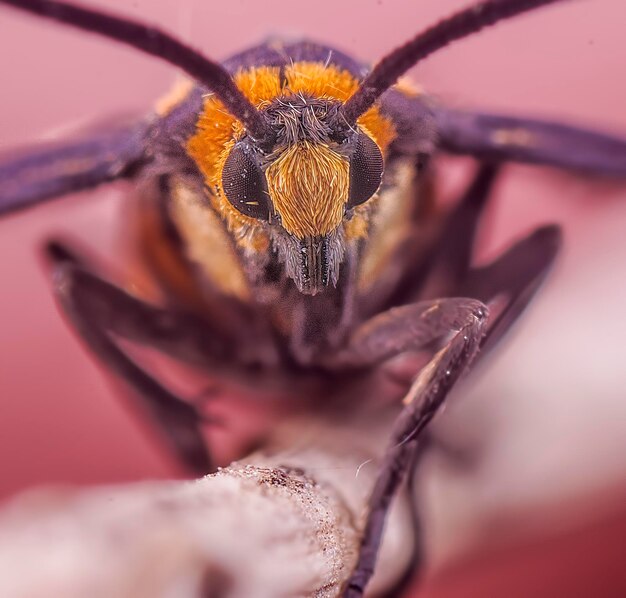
(304, 187)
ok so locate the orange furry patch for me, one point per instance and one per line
(327, 81)
(309, 186)
(216, 132)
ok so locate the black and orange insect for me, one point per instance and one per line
(279, 195)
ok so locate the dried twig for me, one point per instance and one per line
(284, 522)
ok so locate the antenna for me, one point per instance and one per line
(157, 43)
(399, 61)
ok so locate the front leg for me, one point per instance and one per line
(97, 309)
(498, 137)
(411, 328)
(54, 170)
(516, 276)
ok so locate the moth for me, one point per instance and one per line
(280, 198)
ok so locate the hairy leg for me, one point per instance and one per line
(515, 276)
(404, 329)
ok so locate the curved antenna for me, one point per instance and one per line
(157, 43)
(399, 61)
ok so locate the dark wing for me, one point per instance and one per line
(29, 177)
(498, 137)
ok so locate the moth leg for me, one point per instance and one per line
(447, 262)
(176, 333)
(452, 255)
(49, 171)
(93, 318)
(399, 330)
(500, 137)
(515, 276)
(400, 589)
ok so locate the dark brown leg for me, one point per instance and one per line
(516, 275)
(175, 333)
(499, 137)
(451, 258)
(447, 262)
(419, 325)
(55, 170)
(94, 317)
(407, 580)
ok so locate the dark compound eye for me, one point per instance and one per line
(244, 184)
(366, 170)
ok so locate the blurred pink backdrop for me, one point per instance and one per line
(59, 420)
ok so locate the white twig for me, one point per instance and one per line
(285, 522)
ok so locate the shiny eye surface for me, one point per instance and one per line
(244, 184)
(366, 170)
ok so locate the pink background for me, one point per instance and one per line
(59, 420)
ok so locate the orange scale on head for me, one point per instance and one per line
(216, 129)
(216, 133)
(328, 81)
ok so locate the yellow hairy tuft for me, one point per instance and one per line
(309, 186)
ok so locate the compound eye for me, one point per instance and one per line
(366, 170)
(244, 184)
